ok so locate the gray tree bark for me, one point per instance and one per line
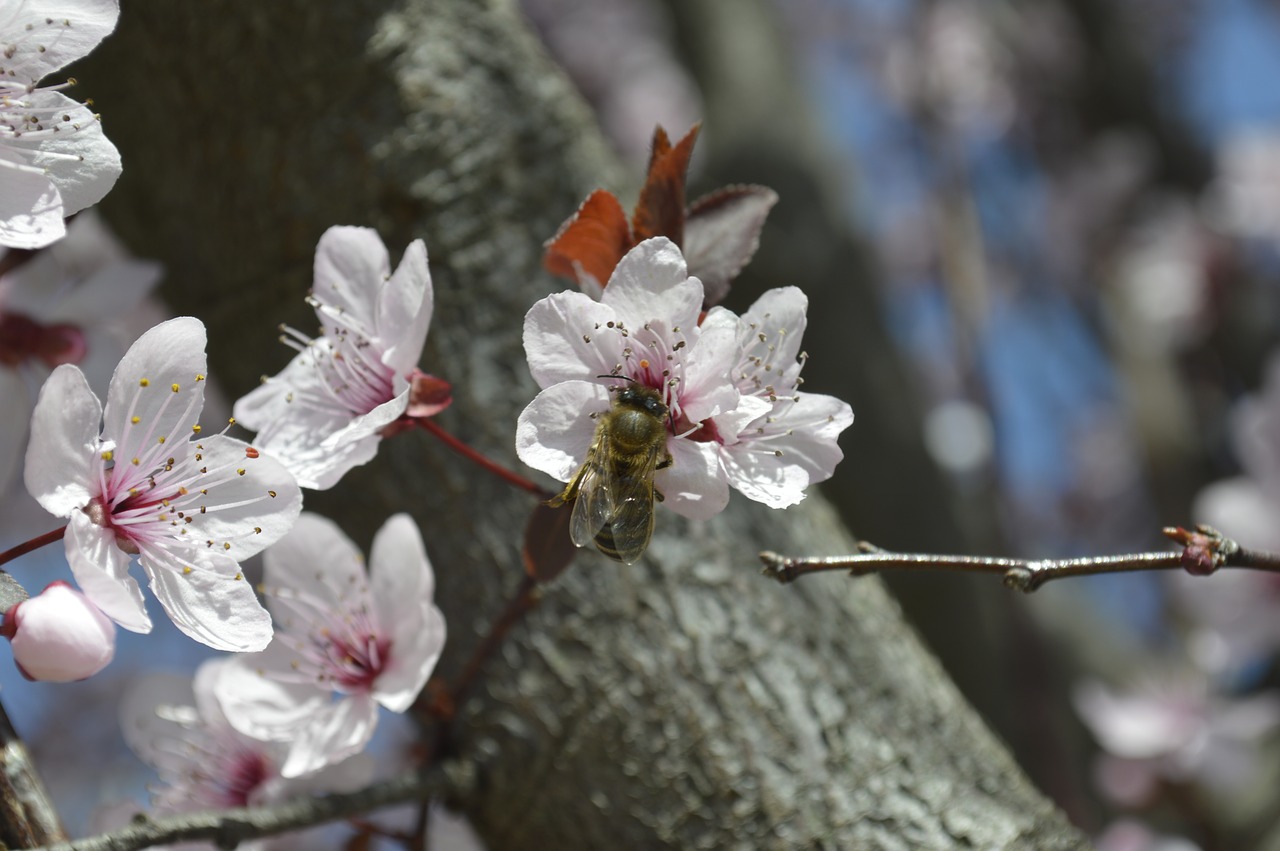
(682, 702)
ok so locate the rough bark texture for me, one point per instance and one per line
(684, 701)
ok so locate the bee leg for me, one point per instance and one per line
(569, 494)
(665, 462)
(657, 494)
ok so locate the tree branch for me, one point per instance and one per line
(228, 828)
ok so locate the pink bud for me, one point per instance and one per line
(59, 636)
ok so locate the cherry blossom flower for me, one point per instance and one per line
(327, 410)
(54, 158)
(63, 305)
(736, 416)
(774, 448)
(138, 479)
(349, 641)
(643, 329)
(177, 727)
(59, 635)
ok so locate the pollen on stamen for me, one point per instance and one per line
(195, 429)
(250, 452)
(144, 382)
(644, 363)
(136, 461)
(199, 377)
(175, 387)
(108, 455)
(271, 494)
(202, 508)
(186, 569)
(135, 419)
(228, 546)
(161, 438)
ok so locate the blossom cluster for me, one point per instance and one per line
(138, 478)
(737, 417)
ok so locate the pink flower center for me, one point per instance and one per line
(22, 339)
(356, 662)
(344, 647)
(245, 771)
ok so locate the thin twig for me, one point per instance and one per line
(474, 456)
(228, 828)
(34, 544)
(1203, 552)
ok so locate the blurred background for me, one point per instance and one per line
(1041, 242)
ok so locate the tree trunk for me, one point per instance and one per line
(684, 701)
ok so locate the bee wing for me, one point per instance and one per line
(594, 505)
(631, 522)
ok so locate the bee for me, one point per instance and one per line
(613, 491)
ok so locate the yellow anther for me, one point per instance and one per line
(144, 382)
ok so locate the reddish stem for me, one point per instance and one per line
(34, 544)
(477, 458)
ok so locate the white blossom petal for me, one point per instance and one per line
(258, 699)
(563, 340)
(82, 163)
(46, 35)
(404, 308)
(64, 438)
(168, 356)
(555, 430)
(293, 562)
(400, 575)
(31, 213)
(415, 655)
(335, 732)
(101, 570)
(693, 486)
(652, 280)
(796, 448)
(212, 603)
(351, 268)
(249, 510)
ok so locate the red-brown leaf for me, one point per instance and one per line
(548, 549)
(721, 234)
(660, 148)
(591, 242)
(660, 210)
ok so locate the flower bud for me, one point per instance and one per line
(59, 636)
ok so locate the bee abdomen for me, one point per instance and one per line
(604, 542)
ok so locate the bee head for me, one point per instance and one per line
(637, 395)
